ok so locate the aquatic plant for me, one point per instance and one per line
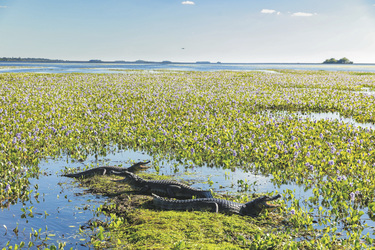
(223, 119)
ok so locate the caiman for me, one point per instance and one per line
(166, 188)
(252, 208)
(108, 170)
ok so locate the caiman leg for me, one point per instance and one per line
(206, 206)
(215, 207)
(144, 189)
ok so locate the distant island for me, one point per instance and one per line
(343, 60)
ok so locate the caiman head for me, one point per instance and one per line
(254, 207)
(138, 166)
(131, 179)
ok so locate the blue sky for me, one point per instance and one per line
(253, 31)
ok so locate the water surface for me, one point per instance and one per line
(124, 67)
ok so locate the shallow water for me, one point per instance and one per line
(335, 116)
(113, 67)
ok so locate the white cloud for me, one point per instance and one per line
(3, 6)
(267, 11)
(188, 2)
(303, 14)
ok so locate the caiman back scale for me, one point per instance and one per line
(108, 170)
(166, 188)
(252, 208)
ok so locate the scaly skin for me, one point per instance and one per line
(167, 188)
(109, 170)
(252, 208)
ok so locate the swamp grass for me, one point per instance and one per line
(214, 118)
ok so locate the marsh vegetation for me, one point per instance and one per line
(248, 121)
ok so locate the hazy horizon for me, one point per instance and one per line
(53, 60)
(189, 31)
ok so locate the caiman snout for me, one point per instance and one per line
(268, 205)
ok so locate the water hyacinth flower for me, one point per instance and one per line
(310, 166)
(352, 196)
(7, 188)
(292, 212)
(341, 178)
(331, 162)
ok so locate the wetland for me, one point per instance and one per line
(307, 135)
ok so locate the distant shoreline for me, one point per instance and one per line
(43, 60)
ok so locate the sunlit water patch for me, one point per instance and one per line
(315, 116)
(335, 116)
(59, 210)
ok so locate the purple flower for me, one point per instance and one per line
(7, 188)
(192, 150)
(331, 162)
(311, 167)
(234, 153)
(341, 178)
(352, 196)
(218, 141)
(292, 212)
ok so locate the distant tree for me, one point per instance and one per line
(95, 61)
(332, 60)
(343, 60)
